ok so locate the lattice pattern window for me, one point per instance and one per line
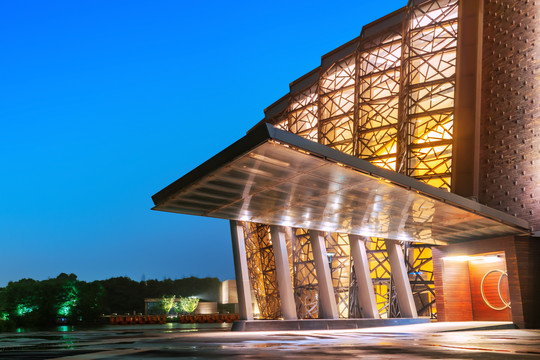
(338, 250)
(283, 125)
(433, 12)
(378, 99)
(432, 67)
(303, 113)
(354, 305)
(420, 268)
(306, 286)
(384, 53)
(429, 100)
(391, 103)
(262, 269)
(337, 133)
(336, 102)
(380, 273)
(379, 86)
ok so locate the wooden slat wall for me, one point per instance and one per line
(522, 279)
(481, 311)
(458, 294)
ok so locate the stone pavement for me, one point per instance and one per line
(422, 341)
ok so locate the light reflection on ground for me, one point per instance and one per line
(172, 341)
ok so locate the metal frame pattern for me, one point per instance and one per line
(428, 82)
(262, 269)
(304, 113)
(305, 284)
(354, 305)
(337, 105)
(391, 103)
(379, 69)
(420, 268)
(380, 273)
(339, 251)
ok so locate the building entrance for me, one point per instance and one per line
(489, 288)
(479, 285)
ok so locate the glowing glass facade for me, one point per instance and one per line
(429, 79)
(387, 97)
(427, 118)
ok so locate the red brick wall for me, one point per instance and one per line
(510, 120)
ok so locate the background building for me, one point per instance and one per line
(229, 296)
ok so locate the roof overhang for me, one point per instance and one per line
(274, 177)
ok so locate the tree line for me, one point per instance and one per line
(29, 302)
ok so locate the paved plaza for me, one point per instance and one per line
(172, 341)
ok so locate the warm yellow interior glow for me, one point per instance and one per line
(431, 75)
(355, 107)
(303, 114)
(475, 258)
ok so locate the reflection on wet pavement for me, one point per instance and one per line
(429, 341)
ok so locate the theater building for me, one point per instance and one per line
(400, 179)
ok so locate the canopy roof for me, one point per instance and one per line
(274, 177)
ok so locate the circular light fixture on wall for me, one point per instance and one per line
(506, 303)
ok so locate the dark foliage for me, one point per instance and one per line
(36, 303)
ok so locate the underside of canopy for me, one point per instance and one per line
(274, 177)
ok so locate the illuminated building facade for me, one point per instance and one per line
(441, 91)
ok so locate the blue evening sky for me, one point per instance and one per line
(103, 103)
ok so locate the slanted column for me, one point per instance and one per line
(401, 279)
(328, 306)
(241, 271)
(283, 272)
(366, 294)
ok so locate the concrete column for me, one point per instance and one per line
(401, 279)
(327, 305)
(366, 294)
(281, 259)
(241, 271)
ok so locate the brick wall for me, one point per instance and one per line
(510, 122)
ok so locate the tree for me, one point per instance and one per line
(91, 303)
(168, 303)
(67, 299)
(28, 302)
(122, 295)
(186, 305)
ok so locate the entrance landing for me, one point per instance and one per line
(321, 324)
(418, 325)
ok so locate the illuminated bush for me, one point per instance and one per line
(167, 303)
(181, 305)
(186, 305)
(4, 316)
(69, 300)
(23, 309)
